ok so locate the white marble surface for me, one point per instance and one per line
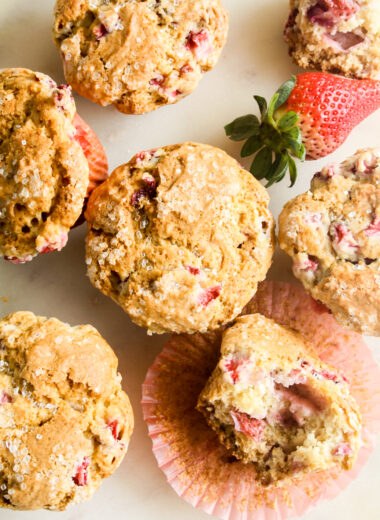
(255, 60)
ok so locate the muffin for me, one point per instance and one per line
(138, 55)
(179, 237)
(332, 233)
(65, 422)
(44, 172)
(203, 471)
(275, 404)
(338, 36)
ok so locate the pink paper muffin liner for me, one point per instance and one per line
(197, 466)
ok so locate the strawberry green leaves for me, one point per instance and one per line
(275, 140)
(284, 91)
(243, 127)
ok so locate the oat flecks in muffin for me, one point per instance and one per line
(179, 237)
(43, 171)
(275, 404)
(332, 232)
(339, 36)
(65, 422)
(138, 55)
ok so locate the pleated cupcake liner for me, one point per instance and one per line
(198, 467)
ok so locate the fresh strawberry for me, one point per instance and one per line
(329, 107)
(310, 116)
(94, 152)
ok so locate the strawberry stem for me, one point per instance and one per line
(274, 141)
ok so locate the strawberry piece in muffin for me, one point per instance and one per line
(330, 12)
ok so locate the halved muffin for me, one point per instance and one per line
(275, 404)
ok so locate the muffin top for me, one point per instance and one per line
(332, 232)
(138, 55)
(65, 422)
(179, 237)
(43, 171)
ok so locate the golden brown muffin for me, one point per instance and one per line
(179, 237)
(44, 173)
(65, 422)
(332, 233)
(339, 36)
(138, 55)
(275, 404)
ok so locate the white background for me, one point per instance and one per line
(254, 60)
